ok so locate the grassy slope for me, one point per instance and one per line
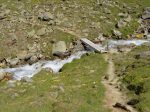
(76, 89)
(87, 8)
(136, 77)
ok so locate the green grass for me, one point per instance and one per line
(136, 77)
(77, 88)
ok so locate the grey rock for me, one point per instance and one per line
(101, 37)
(14, 61)
(46, 16)
(117, 33)
(128, 19)
(146, 14)
(4, 14)
(59, 47)
(121, 24)
(22, 55)
(26, 79)
(77, 46)
(147, 9)
(31, 33)
(51, 22)
(2, 75)
(33, 59)
(48, 70)
(35, 48)
(122, 15)
(61, 54)
(41, 32)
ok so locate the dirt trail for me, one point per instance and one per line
(113, 95)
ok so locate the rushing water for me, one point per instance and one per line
(113, 43)
(56, 65)
(31, 70)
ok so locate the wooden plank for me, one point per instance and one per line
(89, 43)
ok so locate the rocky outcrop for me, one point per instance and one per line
(59, 46)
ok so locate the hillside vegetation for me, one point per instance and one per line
(134, 70)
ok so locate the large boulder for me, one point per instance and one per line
(33, 59)
(22, 55)
(59, 47)
(14, 62)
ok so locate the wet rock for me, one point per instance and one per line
(46, 16)
(51, 22)
(26, 79)
(62, 55)
(133, 102)
(59, 47)
(48, 70)
(33, 59)
(41, 32)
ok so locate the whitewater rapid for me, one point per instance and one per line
(56, 65)
(31, 70)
